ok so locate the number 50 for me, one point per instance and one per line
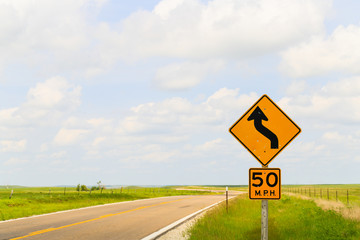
(258, 176)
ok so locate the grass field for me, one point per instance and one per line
(34, 201)
(289, 218)
(345, 193)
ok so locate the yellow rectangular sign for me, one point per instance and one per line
(265, 183)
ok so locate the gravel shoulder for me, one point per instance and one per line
(181, 231)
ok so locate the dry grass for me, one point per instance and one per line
(298, 196)
(329, 205)
(348, 212)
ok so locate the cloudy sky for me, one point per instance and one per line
(144, 92)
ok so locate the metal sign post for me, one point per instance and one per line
(264, 219)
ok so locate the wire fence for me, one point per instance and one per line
(348, 195)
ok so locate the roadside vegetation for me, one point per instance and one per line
(343, 199)
(292, 217)
(16, 202)
(345, 193)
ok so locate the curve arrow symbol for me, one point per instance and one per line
(257, 115)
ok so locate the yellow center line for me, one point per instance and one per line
(94, 219)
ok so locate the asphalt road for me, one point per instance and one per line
(125, 220)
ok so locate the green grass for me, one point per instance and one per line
(289, 218)
(33, 201)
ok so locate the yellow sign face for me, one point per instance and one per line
(264, 183)
(265, 130)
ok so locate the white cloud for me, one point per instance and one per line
(348, 87)
(13, 146)
(69, 136)
(176, 130)
(15, 161)
(230, 101)
(8, 116)
(60, 154)
(54, 131)
(55, 92)
(152, 157)
(296, 88)
(210, 145)
(179, 116)
(44, 147)
(336, 103)
(338, 52)
(98, 140)
(338, 138)
(99, 122)
(56, 35)
(64, 37)
(46, 103)
(216, 29)
(180, 76)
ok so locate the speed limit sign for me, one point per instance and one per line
(264, 183)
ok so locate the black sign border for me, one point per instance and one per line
(262, 169)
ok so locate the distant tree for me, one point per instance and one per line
(78, 187)
(84, 188)
(99, 185)
(94, 188)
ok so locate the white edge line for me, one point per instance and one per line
(78, 209)
(178, 222)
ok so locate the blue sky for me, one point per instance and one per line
(144, 92)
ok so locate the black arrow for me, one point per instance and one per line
(257, 115)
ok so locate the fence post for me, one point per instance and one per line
(336, 195)
(328, 194)
(12, 191)
(227, 203)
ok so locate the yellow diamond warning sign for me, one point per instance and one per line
(264, 130)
